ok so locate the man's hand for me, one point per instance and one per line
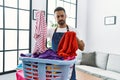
(81, 44)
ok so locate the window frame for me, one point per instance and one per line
(4, 29)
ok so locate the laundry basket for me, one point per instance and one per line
(46, 69)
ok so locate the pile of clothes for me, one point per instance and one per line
(48, 54)
(66, 49)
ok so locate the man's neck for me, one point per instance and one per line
(62, 26)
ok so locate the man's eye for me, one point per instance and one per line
(60, 16)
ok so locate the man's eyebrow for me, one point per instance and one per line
(60, 15)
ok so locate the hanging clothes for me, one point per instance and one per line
(40, 33)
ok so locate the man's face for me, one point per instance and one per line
(60, 17)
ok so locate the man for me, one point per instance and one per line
(56, 34)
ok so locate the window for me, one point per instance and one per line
(15, 23)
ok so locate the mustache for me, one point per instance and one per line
(60, 20)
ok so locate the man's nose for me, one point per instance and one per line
(60, 18)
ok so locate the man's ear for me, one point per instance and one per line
(65, 15)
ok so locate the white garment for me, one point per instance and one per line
(51, 30)
(40, 32)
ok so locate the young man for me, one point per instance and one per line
(56, 34)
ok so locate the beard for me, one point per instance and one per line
(61, 22)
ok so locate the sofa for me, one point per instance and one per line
(100, 64)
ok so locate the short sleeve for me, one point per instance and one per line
(77, 33)
(50, 32)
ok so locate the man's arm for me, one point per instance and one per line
(81, 44)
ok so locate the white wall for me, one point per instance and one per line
(38, 5)
(100, 37)
(82, 19)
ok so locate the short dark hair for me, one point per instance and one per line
(59, 9)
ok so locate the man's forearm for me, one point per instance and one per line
(81, 44)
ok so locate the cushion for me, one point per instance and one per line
(101, 59)
(88, 59)
(114, 62)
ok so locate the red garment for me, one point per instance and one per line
(68, 45)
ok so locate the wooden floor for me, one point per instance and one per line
(84, 76)
(80, 76)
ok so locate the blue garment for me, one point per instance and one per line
(73, 77)
(55, 41)
(19, 66)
